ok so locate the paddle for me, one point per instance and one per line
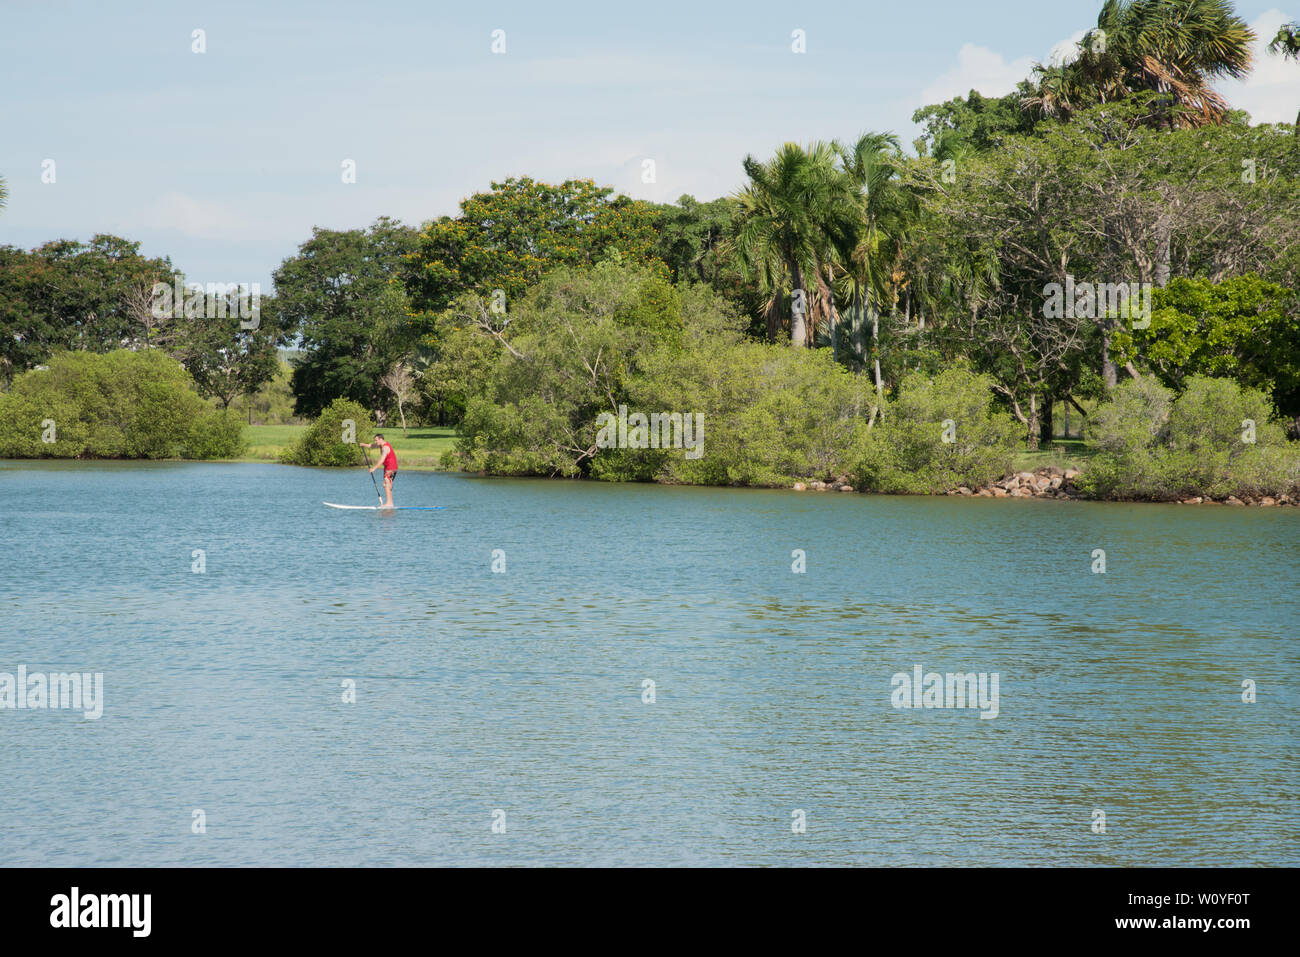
(372, 474)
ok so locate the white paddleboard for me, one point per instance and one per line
(395, 508)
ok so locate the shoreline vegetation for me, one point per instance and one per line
(1088, 288)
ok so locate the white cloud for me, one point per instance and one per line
(1271, 93)
(177, 212)
(978, 68)
(1067, 50)
(985, 70)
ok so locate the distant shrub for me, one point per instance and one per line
(218, 434)
(1136, 417)
(121, 404)
(322, 443)
(1217, 439)
(771, 414)
(907, 452)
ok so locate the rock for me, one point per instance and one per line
(1267, 500)
(1020, 493)
(846, 488)
(999, 492)
(1192, 501)
(800, 487)
(841, 481)
(1071, 474)
(1043, 484)
(1056, 481)
(816, 485)
(963, 490)
(1024, 478)
(983, 493)
(1233, 500)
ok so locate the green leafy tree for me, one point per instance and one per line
(691, 239)
(230, 354)
(1244, 328)
(566, 355)
(507, 238)
(332, 440)
(960, 127)
(1104, 200)
(123, 404)
(72, 295)
(1217, 439)
(342, 294)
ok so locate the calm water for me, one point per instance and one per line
(523, 691)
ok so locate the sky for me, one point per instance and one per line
(224, 160)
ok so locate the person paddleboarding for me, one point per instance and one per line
(388, 460)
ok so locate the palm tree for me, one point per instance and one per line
(1287, 43)
(1175, 48)
(872, 252)
(4, 192)
(790, 219)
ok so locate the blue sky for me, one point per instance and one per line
(225, 160)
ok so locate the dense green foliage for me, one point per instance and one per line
(70, 295)
(940, 433)
(586, 343)
(326, 441)
(507, 238)
(1216, 439)
(961, 127)
(343, 295)
(123, 404)
(1244, 328)
(272, 403)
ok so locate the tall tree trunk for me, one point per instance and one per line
(875, 347)
(835, 342)
(855, 330)
(402, 414)
(1045, 425)
(798, 311)
(1164, 250)
(1031, 439)
(1109, 371)
(772, 314)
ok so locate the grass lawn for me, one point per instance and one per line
(1063, 453)
(420, 448)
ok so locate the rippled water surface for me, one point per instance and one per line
(523, 691)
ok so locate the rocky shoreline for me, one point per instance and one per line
(1047, 481)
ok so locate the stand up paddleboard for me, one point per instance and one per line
(395, 508)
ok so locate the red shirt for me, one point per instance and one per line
(390, 460)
